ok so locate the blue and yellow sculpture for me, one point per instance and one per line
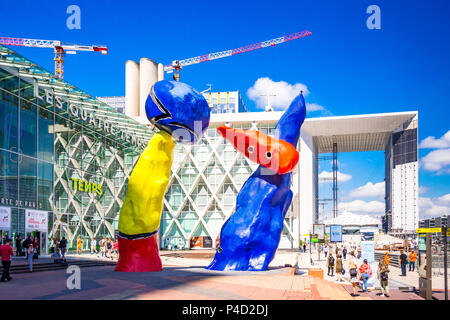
(182, 114)
(250, 237)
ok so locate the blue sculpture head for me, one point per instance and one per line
(178, 109)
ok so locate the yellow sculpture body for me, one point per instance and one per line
(140, 214)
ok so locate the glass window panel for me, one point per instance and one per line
(27, 181)
(28, 129)
(45, 138)
(8, 125)
(8, 178)
(45, 185)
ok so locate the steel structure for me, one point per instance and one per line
(177, 65)
(59, 47)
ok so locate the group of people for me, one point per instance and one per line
(364, 272)
(22, 246)
(108, 248)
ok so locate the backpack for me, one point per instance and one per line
(331, 261)
(353, 272)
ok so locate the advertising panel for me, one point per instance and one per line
(319, 233)
(36, 220)
(5, 218)
(336, 233)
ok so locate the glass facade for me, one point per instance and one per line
(63, 154)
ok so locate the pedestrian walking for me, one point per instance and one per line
(36, 246)
(412, 260)
(101, 245)
(25, 245)
(403, 262)
(116, 249)
(6, 251)
(304, 247)
(366, 272)
(344, 253)
(386, 258)
(325, 250)
(30, 254)
(330, 263)
(79, 245)
(339, 267)
(109, 248)
(353, 271)
(63, 246)
(383, 270)
(93, 246)
(19, 245)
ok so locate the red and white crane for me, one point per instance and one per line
(177, 65)
(59, 47)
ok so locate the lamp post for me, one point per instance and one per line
(444, 236)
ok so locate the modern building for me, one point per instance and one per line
(225, 102)
(437, 222)
(65, 157)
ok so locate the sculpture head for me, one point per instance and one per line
(178, 109)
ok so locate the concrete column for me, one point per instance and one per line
(131, 88)
(307, 181)
(160, 71)
(148, 75)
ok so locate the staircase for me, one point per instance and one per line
(38, 267)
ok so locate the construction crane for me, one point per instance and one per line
(59, 47)
(177, 65)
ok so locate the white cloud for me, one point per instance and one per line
(284, 94)
(433, 143)
(369, 190)
(437, 160)
(313, 107)
(363, 207)
(434, 207)
(341, 177)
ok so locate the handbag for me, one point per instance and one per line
(343, 271)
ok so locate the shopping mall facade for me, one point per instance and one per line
(65, 157)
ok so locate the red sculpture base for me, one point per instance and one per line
(140, 255)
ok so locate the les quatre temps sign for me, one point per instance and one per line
(85, 186)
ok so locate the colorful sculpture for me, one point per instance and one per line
(182, 114)
(250, 237)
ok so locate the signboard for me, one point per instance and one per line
(422, 244)
(319, 232)
(335, 233)
(428, 230)
(5, 218)
(36, 220)
(367, 236)
(368, 253)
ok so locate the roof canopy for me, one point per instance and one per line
(347, 219)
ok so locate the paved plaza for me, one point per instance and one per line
(184, 278)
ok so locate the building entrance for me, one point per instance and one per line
(42, 239)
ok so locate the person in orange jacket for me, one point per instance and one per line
(386, 258)
(412, 260)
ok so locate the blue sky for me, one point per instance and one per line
(347, 68)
